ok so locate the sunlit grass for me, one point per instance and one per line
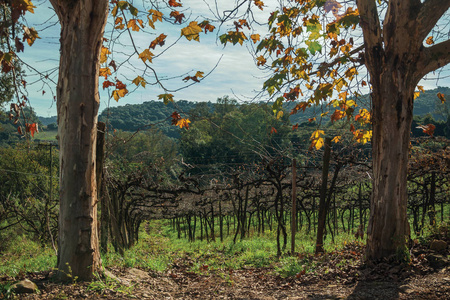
(25, 256)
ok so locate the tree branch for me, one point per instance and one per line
(371, 27)
(433, 58)
(430, 13)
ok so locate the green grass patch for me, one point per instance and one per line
(23, 256)
(47, 135)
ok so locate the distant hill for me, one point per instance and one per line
(132, 117)
(428, 103)
(48, 120)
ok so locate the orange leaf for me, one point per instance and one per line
(31, 128)
(430, 40)
(174, 3)
(337, 115)
(273, 130)
(183, 123)
(428, 129)
(295, 127)
(352, 128)
(107, 84)
(441, 97)
(259, 4)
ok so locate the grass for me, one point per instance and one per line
(48, 135)
(160, 249)
(25, 256)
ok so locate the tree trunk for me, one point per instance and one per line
(397, 60)
(82, 27)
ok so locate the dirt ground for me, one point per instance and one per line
(339, 275)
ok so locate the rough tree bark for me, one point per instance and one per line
(396, 59)
(82, 26)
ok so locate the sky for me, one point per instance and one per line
(233, 70)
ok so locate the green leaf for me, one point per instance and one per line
(314, 47)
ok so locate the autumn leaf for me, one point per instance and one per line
(174, 3)
(317, 139)
(166, 98)
(183, 123)
(295, 127)
(337, 115)
(337, 139)
(155, 15)
(105, 72)
(259, 4)
(146, 55)
(119, 23)
(177, 16)
(30, 35)
(234, 37)
(260, 60)
(255, 38)
(199, 74)
(192, 31)
(207, 26)
(117, 94)
(273, 130)
(280, 114)
(441, 97)
(430, 40)
(107, 84)
(160, 40)
(31, 128)
(428, 129)
(362, 136)
(139, 81)
(104, 54)
(134, 24)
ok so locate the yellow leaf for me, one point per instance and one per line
(199, 74)
(155, 14)
(117, 94)
(279, 114)
(146, 55)
(318, 143)
(416, 94)
(192, 31)
(350, 73)
(255, 38)
(104, 54)
(337, 139)
(139, 81)
(317, 134)
(133, 24)
(420, 88)
(105, 72)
